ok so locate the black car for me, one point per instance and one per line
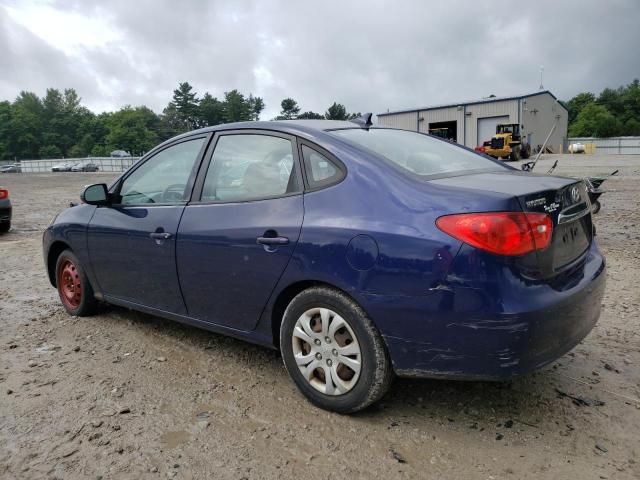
(5, 210)
(85, 167)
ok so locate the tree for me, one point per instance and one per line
(211, 111)
(310, 116)
(337, 111)
(236, 107)
(5, 131)
(612, 100)
(59, 125)
(133, 130)
(187, 104)
(172, 123)
(26, 125)
(50, 151)
(631, 127)
(256, 105)
(290, 109)
(595, 121)
(577, 103)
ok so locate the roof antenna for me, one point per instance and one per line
(541, 71)
(363, 120)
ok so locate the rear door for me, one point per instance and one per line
(235, 241)
(132, 243)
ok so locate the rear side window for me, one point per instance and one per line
(320, 170)
(250, 167)
(417, 153)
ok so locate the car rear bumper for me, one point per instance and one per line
(5, 214)
(450, 334)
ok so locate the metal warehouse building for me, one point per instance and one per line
(472, 123)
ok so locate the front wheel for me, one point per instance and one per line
(5, 227)
(595, 207)
(333, 352)
(515, 154)
(73, 286)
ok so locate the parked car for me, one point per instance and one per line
(5, 210)
(359, 252)
(85, 167)
(119, 154)
(11, 168)
(62, 167)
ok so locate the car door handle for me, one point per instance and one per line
(272, 240)
(160, 235)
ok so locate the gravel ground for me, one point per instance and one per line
(128, 395)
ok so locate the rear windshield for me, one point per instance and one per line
(419, 154)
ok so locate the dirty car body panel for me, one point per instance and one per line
(444, 308)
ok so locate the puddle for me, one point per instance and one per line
(175, 439)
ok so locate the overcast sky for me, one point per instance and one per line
(369, 55)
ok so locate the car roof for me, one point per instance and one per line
(305, 128)
(291, 126)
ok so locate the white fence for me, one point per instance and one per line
(609, 146)
(105, 164)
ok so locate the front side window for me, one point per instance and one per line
(250, 167)
(164, 177)
(419, 154)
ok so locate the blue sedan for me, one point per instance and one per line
(359, 252)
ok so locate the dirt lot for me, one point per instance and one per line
(127, 395)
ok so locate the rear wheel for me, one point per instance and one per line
(73, 286)
(5, 227)
(333, 352)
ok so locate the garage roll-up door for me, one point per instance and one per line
(487, 127)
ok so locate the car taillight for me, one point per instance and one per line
(502, 233)
(4, 193)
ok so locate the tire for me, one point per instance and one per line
(5, 227)
(595, 207)
(515, 154)
(344, 391)
(525, 152)
(74, 289)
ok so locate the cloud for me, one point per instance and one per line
(371, 56)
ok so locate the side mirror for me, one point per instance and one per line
(96, 194)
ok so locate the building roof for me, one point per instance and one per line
(472, 102)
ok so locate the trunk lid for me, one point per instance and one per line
(564, 199)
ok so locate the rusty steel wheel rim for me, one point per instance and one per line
(69, 284)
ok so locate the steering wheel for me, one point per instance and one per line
(173, 193)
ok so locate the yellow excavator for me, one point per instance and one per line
(507, 143)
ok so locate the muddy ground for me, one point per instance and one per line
(127, 395)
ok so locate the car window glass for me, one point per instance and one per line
(164, 177)
(250, 167)
(320, 170)
(417, 153)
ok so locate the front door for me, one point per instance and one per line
(235, 242)
(132, 244)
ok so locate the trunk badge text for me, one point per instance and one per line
(537, 202)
